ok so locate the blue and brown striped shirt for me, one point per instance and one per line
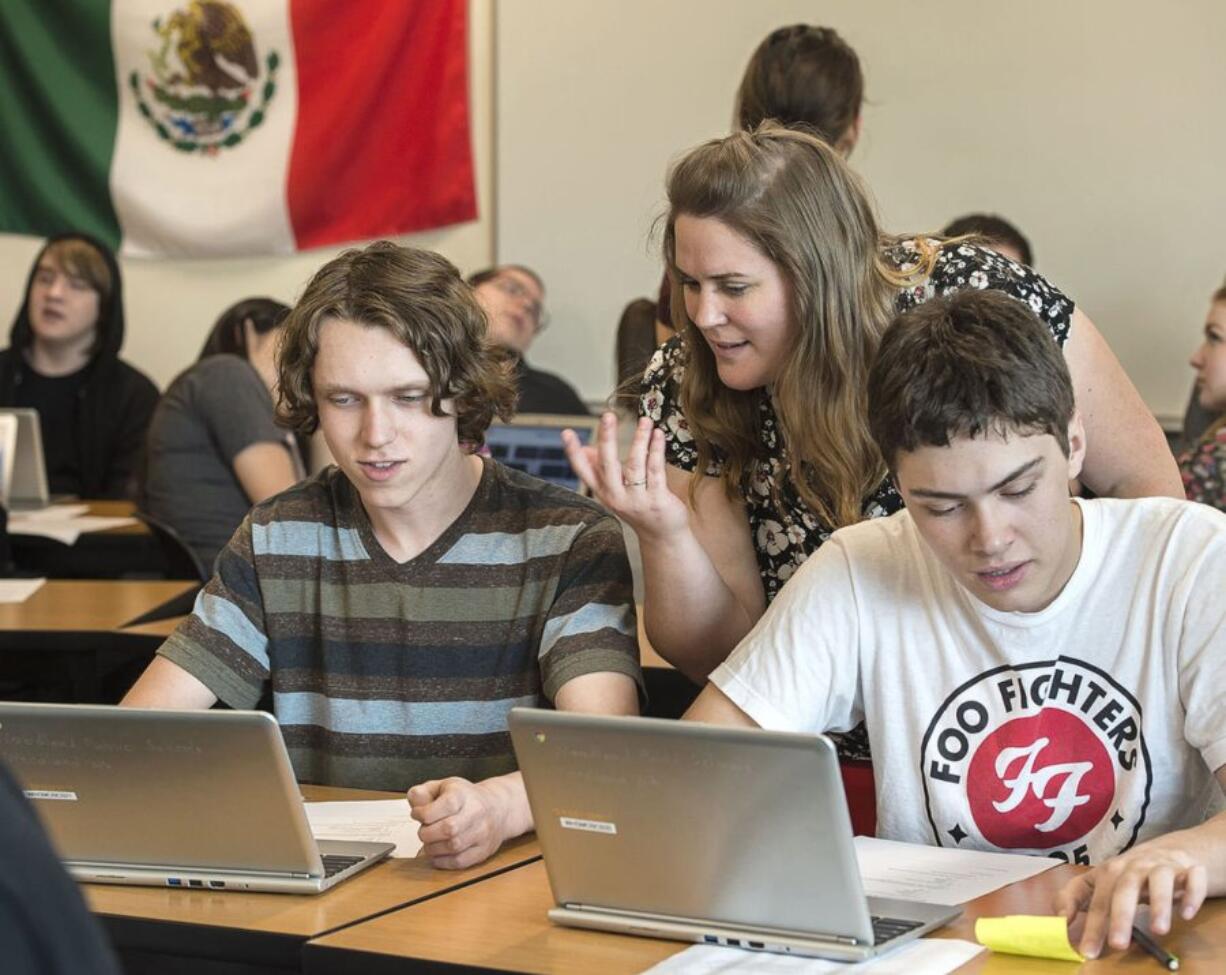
(384, 674)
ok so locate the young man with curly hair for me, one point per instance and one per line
(398, 604)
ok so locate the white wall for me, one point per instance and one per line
(1096, 126)
(171, 305)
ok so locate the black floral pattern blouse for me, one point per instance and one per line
(1203, 468)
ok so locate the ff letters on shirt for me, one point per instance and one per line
(1043, 758)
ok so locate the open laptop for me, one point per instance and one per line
(532, 442)
(692, 832)
(27, 485)
(196, 799)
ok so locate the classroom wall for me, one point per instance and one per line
(1096, 126)
(171, 305)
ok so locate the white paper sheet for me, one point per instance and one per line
(927, 956)
(373, 820)
(18, 590)
(49, 523)
(937, 875)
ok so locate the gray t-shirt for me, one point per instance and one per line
(209, 415)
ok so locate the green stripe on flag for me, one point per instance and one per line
(58, 115)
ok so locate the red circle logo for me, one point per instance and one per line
(1040, 781)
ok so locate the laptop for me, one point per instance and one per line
(27, 485)
(192, 799)
(532, 443)
(691, 832)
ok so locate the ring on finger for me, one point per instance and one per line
(631, 484)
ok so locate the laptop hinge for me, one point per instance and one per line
(837, 939)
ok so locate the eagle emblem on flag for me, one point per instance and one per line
(206, 88)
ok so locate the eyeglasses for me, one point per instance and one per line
(514, 289)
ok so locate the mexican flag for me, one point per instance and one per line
(207, 128)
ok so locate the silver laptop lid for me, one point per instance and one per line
(28, 486)
(740, 827)
(182, 789)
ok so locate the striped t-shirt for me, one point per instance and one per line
(384, 675)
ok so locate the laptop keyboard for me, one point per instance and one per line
(888, 928)
(335, 864)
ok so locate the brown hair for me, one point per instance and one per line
(81, 259)
(1219, 295)
(421, 299)
(794, 198)
(802, 75)
(971, 363)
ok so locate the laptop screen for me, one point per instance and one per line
(533, 444)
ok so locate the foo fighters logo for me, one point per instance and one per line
(1042, 758)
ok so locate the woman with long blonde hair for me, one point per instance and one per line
(753, 445)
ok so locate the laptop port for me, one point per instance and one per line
(196, 883)
(173, 882)
(755, 944)
(217, 883)
(735, 942)
(710, 939)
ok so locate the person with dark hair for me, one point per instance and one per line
(63, 360)
(995, 233)
(45, 927)
(1037, 673)
(400, 603)
(754, 443)
(513, 299)
(808, 76)
(214, 448)
(1203, 464)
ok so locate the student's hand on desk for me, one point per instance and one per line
(462, 822)
(1162, 872)
(636, 490)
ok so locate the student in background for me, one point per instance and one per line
(400, 603)
(63, 360)
(1037, 673)
(754, 445)
(1203, 465)
(800, 75)
(214, 447)
(513, 298)
(995, 233)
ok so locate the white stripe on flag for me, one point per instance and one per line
(176, 203)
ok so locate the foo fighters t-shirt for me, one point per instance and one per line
(1073, 732)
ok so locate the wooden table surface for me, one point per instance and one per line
(379, 888)
(97, 605)
(500, 925)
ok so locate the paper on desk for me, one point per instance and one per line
(371, 820)
(56, 511)
(937, 875)
(1025, 934)
(49, 523)
(18, 590)
(927, 956)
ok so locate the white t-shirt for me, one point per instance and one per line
(1074, 732)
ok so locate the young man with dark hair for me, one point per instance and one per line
(400, 603)
(1037, 673)
(513, 297)
(995, 233)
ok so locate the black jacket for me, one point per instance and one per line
(115, 402)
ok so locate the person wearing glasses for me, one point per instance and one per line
(513, 299)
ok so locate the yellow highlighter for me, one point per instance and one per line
(1024, 934)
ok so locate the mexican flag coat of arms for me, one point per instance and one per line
(207, 128)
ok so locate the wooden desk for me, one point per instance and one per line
(500, 925)
(158, 929)
(67, 641)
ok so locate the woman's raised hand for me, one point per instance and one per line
(635, 490)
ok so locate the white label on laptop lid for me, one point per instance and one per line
(588, 825)
(50, 794)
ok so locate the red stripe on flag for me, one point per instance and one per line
(381, 145)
